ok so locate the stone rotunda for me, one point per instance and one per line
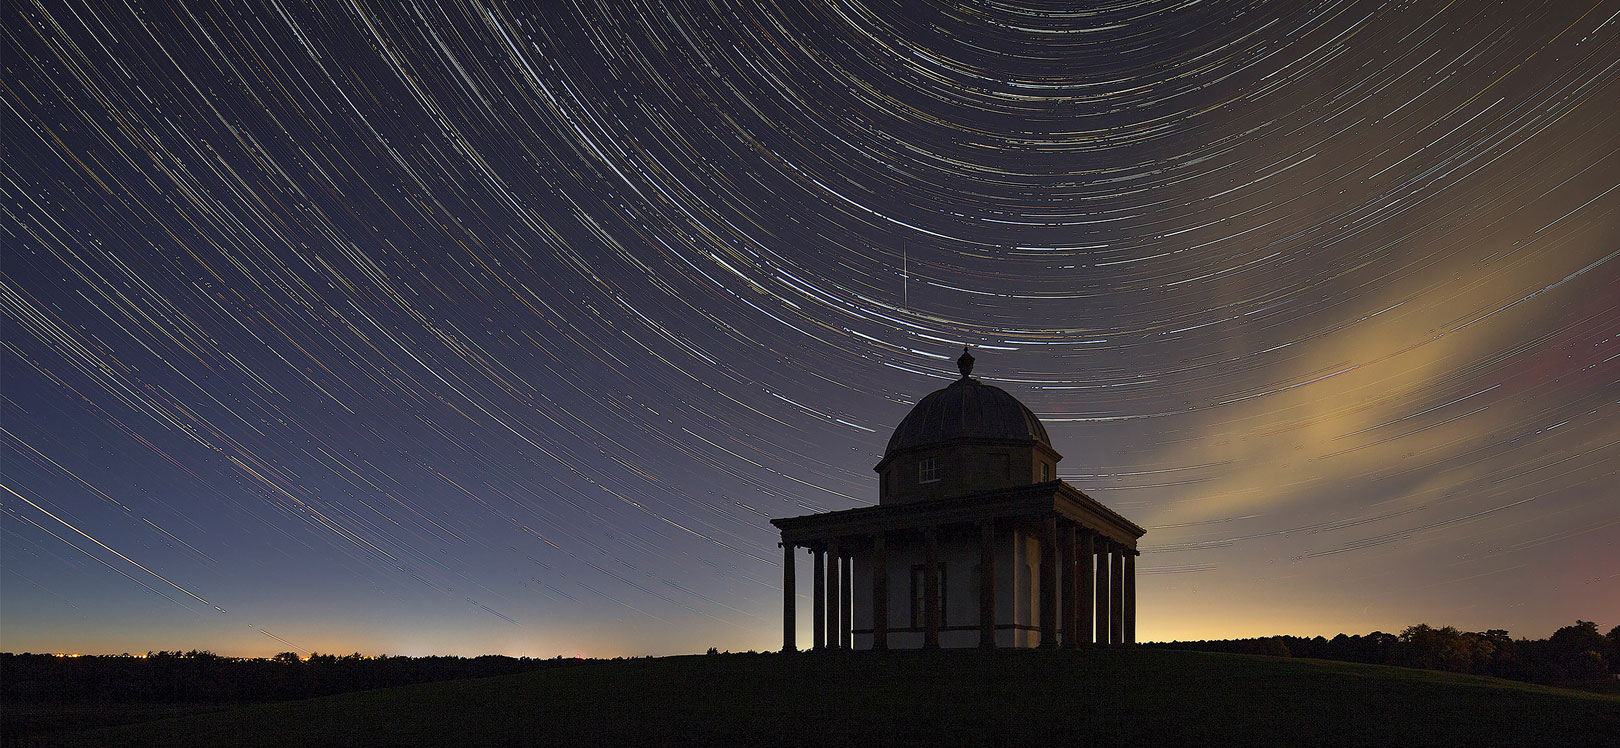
(975, 542)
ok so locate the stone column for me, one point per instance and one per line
(1117, 587)
(1103, 596)
(1130, 595)
(880, 593)
(1049, 564)
(818, 602)
(789, 588)
(848, 641)
(835, 593)
(987, 585)
(1085, 555)
(931, 589)
(1070, 585)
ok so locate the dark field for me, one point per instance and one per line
(1134, 697)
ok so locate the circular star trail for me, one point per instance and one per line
(506, 327)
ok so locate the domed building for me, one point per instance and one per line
(975, 542)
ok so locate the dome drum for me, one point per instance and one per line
(963, 466)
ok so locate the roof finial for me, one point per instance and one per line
(965, 363)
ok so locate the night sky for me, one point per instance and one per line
(505, 327)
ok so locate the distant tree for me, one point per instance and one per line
(1573, 656)
(1613, 655)
(1497, 654)
(285, 657)
(1272, 646)
(1582, 636)
(1437, 649)
(1577, 652)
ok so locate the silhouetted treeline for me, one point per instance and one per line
(203, 677)
(1573, 654)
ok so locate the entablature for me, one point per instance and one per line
(1038, 501)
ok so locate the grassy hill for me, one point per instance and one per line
(1127, 697)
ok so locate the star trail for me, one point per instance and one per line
(505, 327)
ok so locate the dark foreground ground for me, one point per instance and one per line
(1134, 697)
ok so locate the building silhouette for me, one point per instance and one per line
(975, 542)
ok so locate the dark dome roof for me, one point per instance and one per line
(967, 409)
